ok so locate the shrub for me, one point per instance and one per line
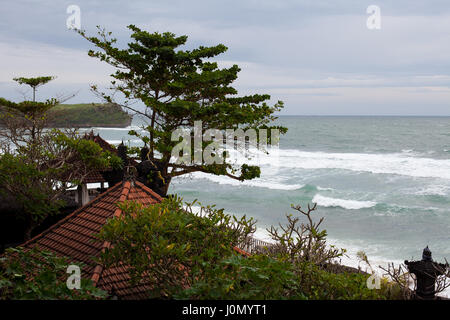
(240, 278)
(168, 246)
(40, 275)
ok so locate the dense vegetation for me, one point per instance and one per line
(37, 165)
(187, 255)
(89, 115)
(40, 275)
(191, 255)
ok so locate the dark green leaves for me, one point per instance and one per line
(32, 274)
(170, 247)
(34, 82)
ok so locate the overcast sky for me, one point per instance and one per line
(318, 56)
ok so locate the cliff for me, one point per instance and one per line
(89, 115)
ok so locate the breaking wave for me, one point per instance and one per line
(393, 163)
(346, 204)
(260, 183)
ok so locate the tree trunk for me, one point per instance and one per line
(165, 189)
(28, 230)
(154, 175)
(152, 124)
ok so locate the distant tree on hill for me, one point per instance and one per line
(34, 83)
(179, 87)
(37, 164)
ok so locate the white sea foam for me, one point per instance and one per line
(346, 204)
(324, 189)
(124, 141)
(405, 163)
(439, 190)
(394, 163)
(258, 182)
(116, 129)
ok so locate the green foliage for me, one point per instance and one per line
(89, 153)
(317, 283)
(183, 255)
(37, 164)
(236, 277)
(291, 268)
(260, 277)
(249, 172)
(34, 82)
(179, 87)
(26, 115)
(40, 275)
(36, 182)
(21, 179)
(170, 247)
(29, 109)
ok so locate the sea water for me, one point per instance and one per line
(382, 184)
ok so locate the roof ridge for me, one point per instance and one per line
(148, 190)
(70, 216)
(106, 245)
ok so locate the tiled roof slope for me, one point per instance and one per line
(74, 237)
(94, 177)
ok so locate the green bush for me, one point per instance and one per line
(168, 246)
(190, 256)
(237, 277)
(40, 275)
(260, 277)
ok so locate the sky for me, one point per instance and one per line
(318, 56)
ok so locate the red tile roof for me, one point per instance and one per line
(74, 237)
(94, 177)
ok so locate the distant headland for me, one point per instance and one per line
(88, 115)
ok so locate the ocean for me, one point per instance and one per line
(382, 184)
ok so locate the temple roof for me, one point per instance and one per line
(74, 237)
(96, 176)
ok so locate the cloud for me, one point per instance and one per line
(315, 53)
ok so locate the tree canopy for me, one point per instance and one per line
(34, 83)
(179, 87)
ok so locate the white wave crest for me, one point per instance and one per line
(124, 141)
(394, 163)
(324, 189)
(261, 183)
(346, 204)
(132, 127)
